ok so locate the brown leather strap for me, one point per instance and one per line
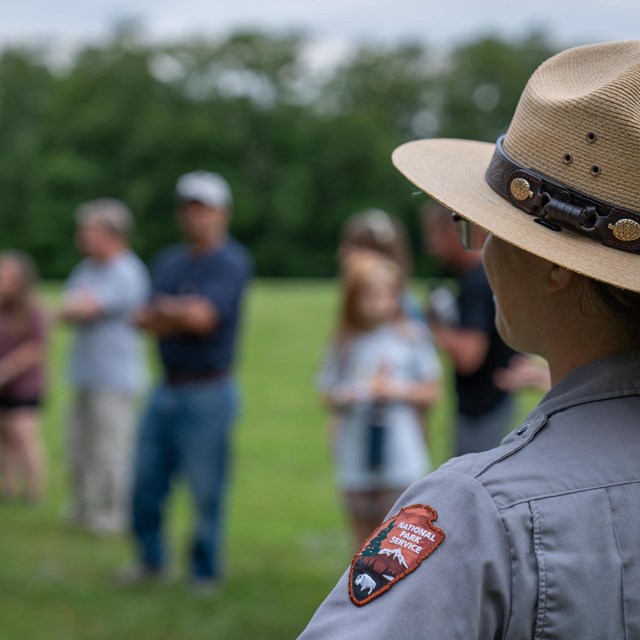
(557, 207)
(178, 378)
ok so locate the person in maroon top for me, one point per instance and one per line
(22, 377)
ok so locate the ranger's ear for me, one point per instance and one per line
(558, 278)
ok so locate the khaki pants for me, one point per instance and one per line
(100, 450)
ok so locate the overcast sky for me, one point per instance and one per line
(335, 22)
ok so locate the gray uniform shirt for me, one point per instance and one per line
(107, 353)
(541, 539)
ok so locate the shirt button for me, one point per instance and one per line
(522, 429)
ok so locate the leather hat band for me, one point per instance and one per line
(557, 207)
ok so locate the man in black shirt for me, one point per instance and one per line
(466, 333)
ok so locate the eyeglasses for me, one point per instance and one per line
(464, 229)
(471, 236)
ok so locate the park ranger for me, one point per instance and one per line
(537, 538)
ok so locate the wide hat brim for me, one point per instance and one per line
(452, 173)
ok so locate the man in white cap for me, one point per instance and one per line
(536, 538)
(194, 311)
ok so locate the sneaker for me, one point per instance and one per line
(104, 527)
(139, 574)
(205, 587)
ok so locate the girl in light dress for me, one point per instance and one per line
(380, 375)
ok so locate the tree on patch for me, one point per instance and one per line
(373, 548)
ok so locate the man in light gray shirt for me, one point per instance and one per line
(107, 368)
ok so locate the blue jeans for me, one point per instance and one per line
(185, 429)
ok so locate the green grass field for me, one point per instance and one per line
(287, 539)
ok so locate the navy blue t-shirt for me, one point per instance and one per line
(221, 276)
(477, 394)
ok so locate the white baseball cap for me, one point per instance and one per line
(205, 187)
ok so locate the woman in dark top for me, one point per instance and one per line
(22, 340)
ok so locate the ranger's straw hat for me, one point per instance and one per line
(564, 182)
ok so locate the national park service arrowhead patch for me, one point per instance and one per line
(393, 551)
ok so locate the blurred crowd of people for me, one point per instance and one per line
(380, 377)
(190, 302)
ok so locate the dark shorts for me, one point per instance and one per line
(7, 402)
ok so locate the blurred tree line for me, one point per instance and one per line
(302, 148)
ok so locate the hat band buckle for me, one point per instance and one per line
(556, 206)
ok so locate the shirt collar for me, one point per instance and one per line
(611, 377)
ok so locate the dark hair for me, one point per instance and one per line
(620, 304)
(19, 313)
(28, 271)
